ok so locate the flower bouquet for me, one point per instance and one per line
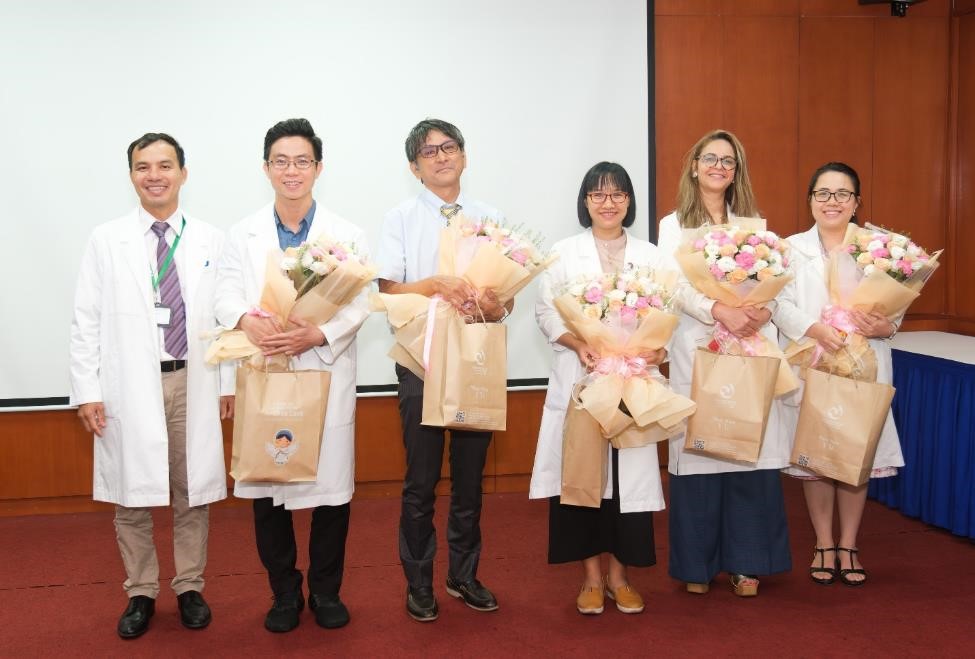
(487, 253)
(464, 364)
(740, 264)
(312, 282)
(622, 315)
(874, 269)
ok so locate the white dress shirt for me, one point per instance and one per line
(410, 239)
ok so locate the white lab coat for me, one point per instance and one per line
(239, 287)
(800, 305)
(115, 355)
(639, 471)
(694, 330)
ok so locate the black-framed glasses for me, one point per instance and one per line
(600, 197)
(841, 196)
(449, 148)
(282, 164)
(711, 159)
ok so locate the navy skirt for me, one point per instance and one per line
(576, 533)
(733, 522)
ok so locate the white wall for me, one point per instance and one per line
(541, 89)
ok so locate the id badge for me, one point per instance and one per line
(163, 315)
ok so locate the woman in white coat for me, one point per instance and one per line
(724, 515)
(833, 197)
(623, 526)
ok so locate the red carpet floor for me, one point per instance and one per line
(60, 595)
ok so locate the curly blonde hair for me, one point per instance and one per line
(691, 212)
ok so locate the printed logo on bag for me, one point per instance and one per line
(479, 393)
(834, 417)
(828, 443)
(699, 444)
(459, 416)
(726, 396)
(282, 447)
(480, 359)
(802, 460)
(284, 408)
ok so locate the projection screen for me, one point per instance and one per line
(542, 90)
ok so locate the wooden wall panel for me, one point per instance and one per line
(964, 175)
(689, 71)
(760, 103)
(852, 9)
(910, 129)
(48, 454)
(836, 64)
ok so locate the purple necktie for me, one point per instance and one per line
(174, 336)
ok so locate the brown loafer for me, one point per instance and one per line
(627, 600)
(590, 600)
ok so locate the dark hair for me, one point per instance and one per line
(292, 128)
(599, 175)
(840, 168)
(419, 133)
(150, 138)
(284, 433)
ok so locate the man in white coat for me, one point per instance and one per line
(144, 299)
(292, 163)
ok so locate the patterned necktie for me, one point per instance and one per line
(174, 336)
(449, 210)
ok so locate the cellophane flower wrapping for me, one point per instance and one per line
(311, 282)
(622, 315)
(740, 264)
(489, 254)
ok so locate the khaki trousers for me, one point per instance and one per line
(133, 526)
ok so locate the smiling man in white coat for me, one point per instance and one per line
(292, 163)
(144, 299)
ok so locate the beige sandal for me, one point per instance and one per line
(744, 585)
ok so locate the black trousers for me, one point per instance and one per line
(275, 533)
(424, 456)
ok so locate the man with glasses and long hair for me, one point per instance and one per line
(292, 163)
(408, 252)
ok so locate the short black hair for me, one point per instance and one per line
(292, 128)
(284, 433)
(839, 167)
(598, 175)
(150, 138)
(419, 133)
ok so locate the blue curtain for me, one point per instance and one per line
(933, 412)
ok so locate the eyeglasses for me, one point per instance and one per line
(430, 150)
(710, 160)
(841, 196)
(600, 197)
(282, 164)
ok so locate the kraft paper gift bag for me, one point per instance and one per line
(839, 427)
(733, 395)
(278, 424)
(584, 459)
(466, 378)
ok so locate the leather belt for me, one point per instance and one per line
(170, 366)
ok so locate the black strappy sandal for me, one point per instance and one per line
(844, 573)
(831, 571)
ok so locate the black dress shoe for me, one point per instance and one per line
(421, 604)
(473, 593)
(283, 616)
(135, 621)
(193, 610)
(330, 613)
